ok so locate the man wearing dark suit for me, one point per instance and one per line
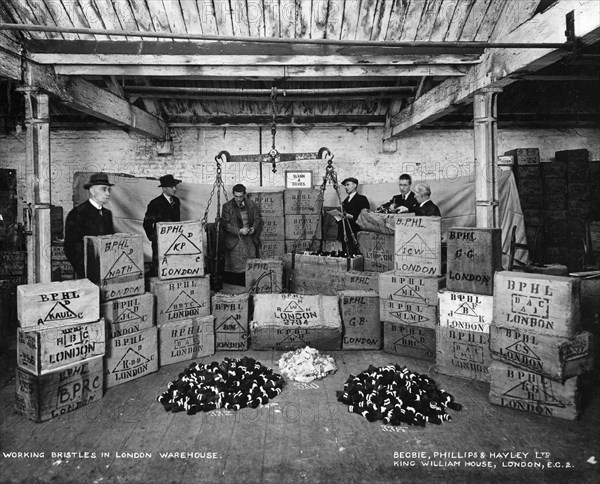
(405, 201)
(164, 208)
(242, 223)
(426, 206)
(352, 205)
(88, 218)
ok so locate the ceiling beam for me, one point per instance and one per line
(497, 66)
(82, 95)
(374, 58)
(316, 73)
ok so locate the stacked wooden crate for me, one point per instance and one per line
(272, 237)
(62, 270)
(264, 275)
(359, 311)
(579, 207)
(554, 215)
(231, 313)
(377, 250)
(60, 346)
(526, 168)
(408, 294)
(115, 263)
(186, 329)
(537, 347)
(290, 321)
(466, 306)
(302, 208)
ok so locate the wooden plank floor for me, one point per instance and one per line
(302, 436)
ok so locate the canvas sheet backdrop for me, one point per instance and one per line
(455, 197)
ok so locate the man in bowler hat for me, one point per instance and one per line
(352, 205)
(164, 208)
(88, 218)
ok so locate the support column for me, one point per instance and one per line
(485, 136)
(37, 119)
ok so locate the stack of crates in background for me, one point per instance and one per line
(272, 236)
(537, 346)
(60, 348)
(116, 264)
(527, 171)
(579, 208)
(408, 294)
(186, 328)
(553, 218)
(231, 313)
(466, 306)
(62, 270)
(302, 209)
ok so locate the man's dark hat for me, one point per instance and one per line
(168, 181)
(98, 179)
(350, 179)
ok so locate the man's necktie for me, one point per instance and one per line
(172, 202)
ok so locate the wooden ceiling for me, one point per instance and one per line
(227, 76)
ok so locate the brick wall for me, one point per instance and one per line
(425, 154)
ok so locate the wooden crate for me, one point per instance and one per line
(313, 274)
(409, 288)
(53, 304)
(554, 193)
(409, 341)
(180, 299)
(45, 350)
(269, 203)
(264, 276)
(186, 340)
(577, 163)
(180, 249)
(554, 169)
(272, 248)
(529, 392)
(63, 390)
(462, 353)
(408, 313)
(377, 251)
(116, 264)
(525, 156)
(13, 263)
(130, 357)
(290, 321)
(128, 315)
(303, 201)
(356, 280)
(302, 226)
(360, 318)
(62, 270)
(533, 217)
(231, 312)
(474, 255)
(465, 311)
(537, 303)
(418, 246)
(302, 245)
(273, 228)
(554, 357)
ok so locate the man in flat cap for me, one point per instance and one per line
(164, 208)
(352, 205)
(88, 218)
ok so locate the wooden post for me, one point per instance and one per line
(486, 184)
(39, 265)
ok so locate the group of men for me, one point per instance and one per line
(240, 219)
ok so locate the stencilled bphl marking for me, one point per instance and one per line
(123, 267)
(521, 353)
(182, 245)
(59, 312)
(412, 341)
(417, 248)
(230, 325)
(184, 305)
(468, 310)
(407, 292)
(538, 392)
(127, 316)
(131, 361)
(468, 352)
(530, 305)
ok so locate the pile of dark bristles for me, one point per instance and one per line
(395, 395)
(234, 383)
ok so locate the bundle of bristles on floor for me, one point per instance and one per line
(233, 384)
(395, 394)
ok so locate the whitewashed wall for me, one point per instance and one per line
(424, 154)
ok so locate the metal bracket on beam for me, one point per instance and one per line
(487, 203)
